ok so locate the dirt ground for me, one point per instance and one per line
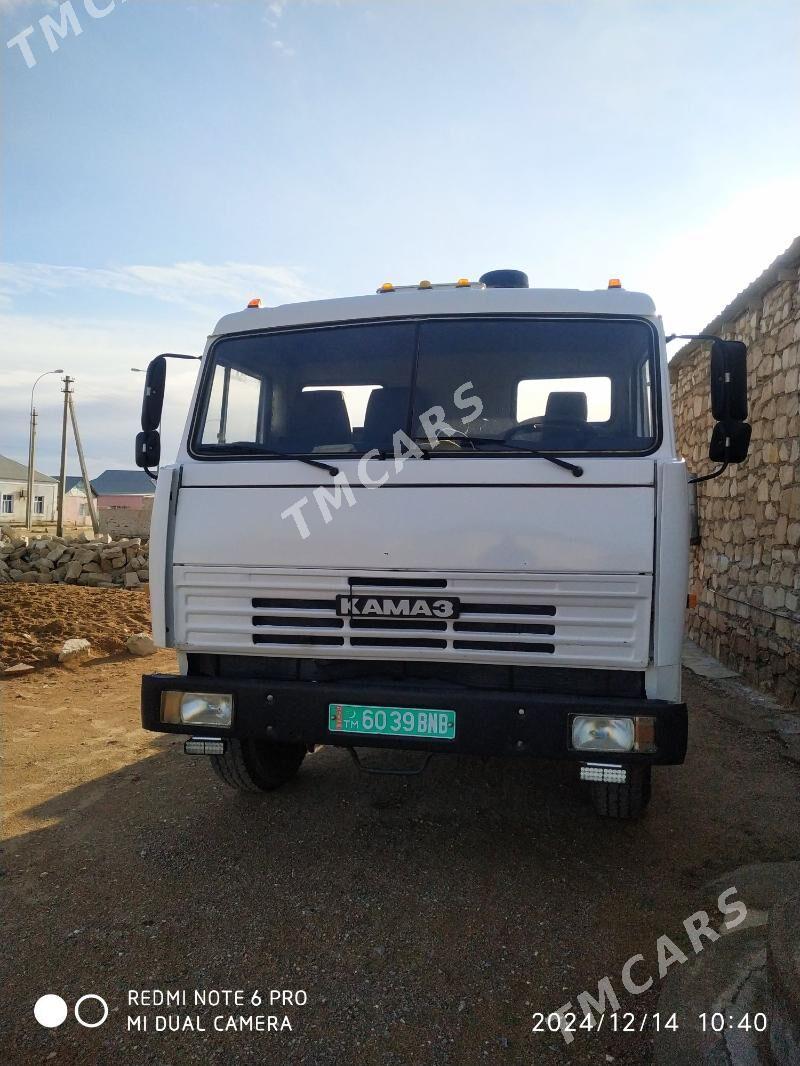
(35, 620)
(427, 919)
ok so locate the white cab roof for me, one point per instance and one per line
(440, 301)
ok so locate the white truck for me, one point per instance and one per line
(438, 518)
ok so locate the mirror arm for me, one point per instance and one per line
(708, 477)
(153, 476)
(691, 337)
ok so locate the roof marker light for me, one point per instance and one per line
(255, 303)
(462, 283)
(386, 287)
(425, 285)
(614, 283)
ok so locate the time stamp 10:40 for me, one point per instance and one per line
(628, 1022)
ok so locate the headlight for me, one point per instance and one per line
(598, 733)
(197, 708)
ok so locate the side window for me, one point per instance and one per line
(234, 407)
(38, 504)
(8, 504)
(534, 393)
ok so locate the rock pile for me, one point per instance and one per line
(100, 561)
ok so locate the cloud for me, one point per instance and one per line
(194, 286)
(283, 48)
(98, 349)
(274, 13)
(7, 6)
(99, 354)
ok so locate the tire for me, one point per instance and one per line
(623, 801)
(257, 765)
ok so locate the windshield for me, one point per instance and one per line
(460, 387)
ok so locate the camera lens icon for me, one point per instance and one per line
(103, 1007)
(51, 1011)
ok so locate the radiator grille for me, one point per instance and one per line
(293, 614)
(592, 620)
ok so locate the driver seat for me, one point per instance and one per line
(320, 418)
(387, 412)
(565, 426)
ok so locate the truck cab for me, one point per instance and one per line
(437, 518)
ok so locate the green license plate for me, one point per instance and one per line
(392, 721)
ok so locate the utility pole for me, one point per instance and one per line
(62, 477)
(82, 461)
(31, 453)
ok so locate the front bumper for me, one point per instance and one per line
(488, 722)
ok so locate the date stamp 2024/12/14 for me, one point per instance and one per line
(629, 1022)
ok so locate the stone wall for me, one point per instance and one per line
(745, 570)
(126, 521)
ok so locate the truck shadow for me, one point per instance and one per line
(437, 911)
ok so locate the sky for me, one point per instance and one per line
(172, 160)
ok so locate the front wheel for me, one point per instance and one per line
(623, 801)
(257, 765)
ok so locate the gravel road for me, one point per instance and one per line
(425, 919)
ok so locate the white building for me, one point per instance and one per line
(14, 489)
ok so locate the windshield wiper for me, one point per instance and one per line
(242, 447)
(577, 471)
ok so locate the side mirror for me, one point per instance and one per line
(148, 449)
(730, 442)
(729, 381)
(153, 400)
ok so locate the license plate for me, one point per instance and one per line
(392, 721)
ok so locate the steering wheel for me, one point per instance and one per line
(451, 442)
